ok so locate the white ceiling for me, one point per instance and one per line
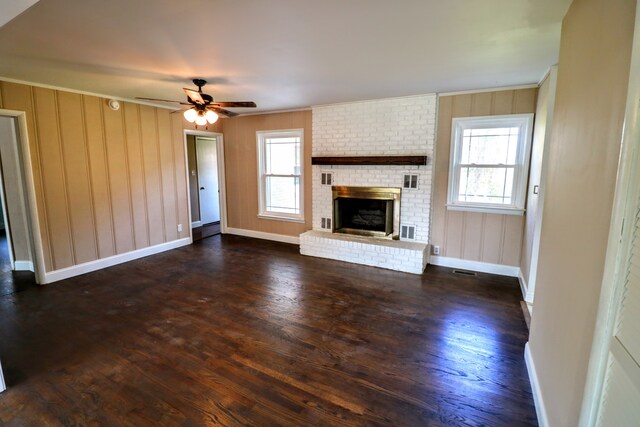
(282, 54)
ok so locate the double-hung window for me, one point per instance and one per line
(280, 155)
(489, 163)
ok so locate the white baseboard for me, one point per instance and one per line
(523, 285)
(87, 267)
(482, 267)
(541, 411)
(195, 224)
(3, 386)
(23, 266)
(262, 235)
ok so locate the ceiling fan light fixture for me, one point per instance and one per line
(190, 115)
(201, 121)
(211, 117)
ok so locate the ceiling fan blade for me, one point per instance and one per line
(180, 111)
(194, 95)
(239, 104)
(222, 111)
(158, 100)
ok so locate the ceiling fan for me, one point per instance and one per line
(202, 108)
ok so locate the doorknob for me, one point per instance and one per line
(202, 188)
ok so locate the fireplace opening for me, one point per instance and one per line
(368, 211)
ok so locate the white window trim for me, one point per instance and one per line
(262, 211)
(459, 124)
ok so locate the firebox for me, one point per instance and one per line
(367, 211)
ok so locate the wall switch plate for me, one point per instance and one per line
(436, 250)
(179, 228)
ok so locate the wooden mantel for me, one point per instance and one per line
(370, 160)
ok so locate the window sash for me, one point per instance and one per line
(267, 207)
(517, 185)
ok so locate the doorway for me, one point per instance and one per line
(17, 264)
(206, 189)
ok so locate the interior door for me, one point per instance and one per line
(207, 160)
(620, 402)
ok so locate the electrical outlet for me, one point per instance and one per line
(436, 250)
(179, 228)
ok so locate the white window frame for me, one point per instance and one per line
(523, 153)
(261, 137)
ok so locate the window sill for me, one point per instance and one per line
(281, 217)
(486, 209)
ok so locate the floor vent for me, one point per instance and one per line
(465, 272)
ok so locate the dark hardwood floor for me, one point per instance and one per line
(238, 331)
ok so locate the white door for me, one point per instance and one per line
(207, 160)
(620, 401)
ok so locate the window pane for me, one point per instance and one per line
(486, 185)
(282, 156)
(282, 194)
(491, 131)
(490, 146)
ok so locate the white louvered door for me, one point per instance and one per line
(620, 405)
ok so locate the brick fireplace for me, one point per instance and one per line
(383, 128)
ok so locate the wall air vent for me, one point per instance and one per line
(326, 178)
(408, 232)
(410, 181)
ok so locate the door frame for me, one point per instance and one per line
(221, 175)
(31, 207)
(617, 245)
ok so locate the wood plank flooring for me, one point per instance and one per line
(238, 331)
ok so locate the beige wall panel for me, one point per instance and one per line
(20, 98)
(118, 179)
(193, 178)
(180, 174)
(503, 102)
(454, 233)
(461, 106)
(441, 172)
(99, 176)
(242, 170)
(76, 176)
(493, 239)
(512, 243)
(53, 177)
(525, 101)
(482, 104)
(136, 175)
(168, 171)
(480, 237)
(308, 190)
(591, 92)
(473, 235)
(152, 174)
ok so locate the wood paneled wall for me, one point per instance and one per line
(241, 163)
(107, 182)
(473, 236)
